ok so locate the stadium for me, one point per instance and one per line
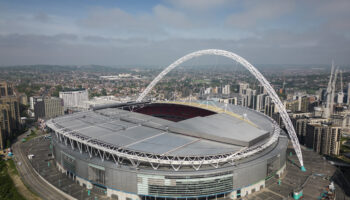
(169, 150)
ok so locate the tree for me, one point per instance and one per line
(8, 143)
(7, 187)
(23, 110)
(58, 89)
(103, 92)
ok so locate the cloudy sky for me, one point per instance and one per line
(156, 32)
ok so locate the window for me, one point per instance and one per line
(68, 162)
(96, 174)
(114, 196)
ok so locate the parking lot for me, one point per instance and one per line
(43, 163)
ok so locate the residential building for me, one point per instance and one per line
(48, 108)
(300, 120)
(101, 100)
(270, 109)
(323, 138)
(304, 103)
(208, 90)
(33, 101)
(298, 104)
(226, 90)
(292, 105)
(260, 102)
(261, 90)
(243, 87)
(23, 99)
(340, 98)
(232, 100)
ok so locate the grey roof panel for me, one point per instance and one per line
(222, 128)
(95, 132)
(73, 125)
(118, 123)
(163, 143)
(117, 139)
(113, 126)
(140, 132)
(205, 147)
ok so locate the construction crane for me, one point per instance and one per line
(341, 81)
(326, 113)
(333, 91)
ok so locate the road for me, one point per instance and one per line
(28, 175)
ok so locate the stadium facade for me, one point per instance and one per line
(169, 150)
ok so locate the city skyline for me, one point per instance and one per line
(158, 32)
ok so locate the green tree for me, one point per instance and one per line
(23, 110)
(103, 92)
(58, 89)
(7, 187)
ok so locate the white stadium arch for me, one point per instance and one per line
(271, 92)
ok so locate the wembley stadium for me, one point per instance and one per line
(169, 150)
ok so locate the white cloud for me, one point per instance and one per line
(259, 12)
(199, 5)
(36, 23)
(114, 21)
(172, 18)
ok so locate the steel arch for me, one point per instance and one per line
(286, 120)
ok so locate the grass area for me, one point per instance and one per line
(343, 139)
(32, 135)
(344, 149)
(345, 159)
(7, 187)
(340, 158)
(11, 167)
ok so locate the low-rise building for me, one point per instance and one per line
(48, 108)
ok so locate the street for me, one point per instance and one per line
(28, 175)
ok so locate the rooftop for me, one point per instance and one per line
(214, 134)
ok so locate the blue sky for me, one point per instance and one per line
(154, 32)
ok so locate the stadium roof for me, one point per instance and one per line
(220, 127)
(210, 135)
